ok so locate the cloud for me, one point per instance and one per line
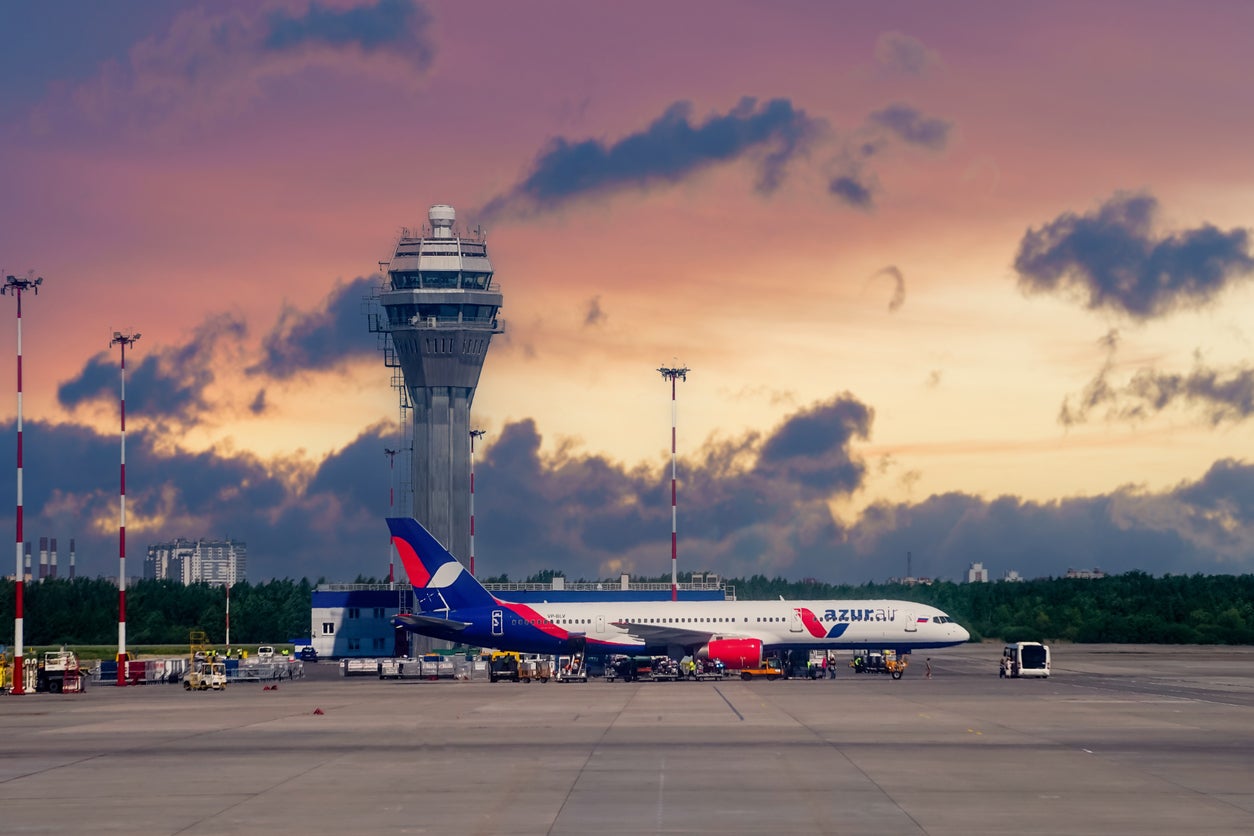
(320, 339)
(899, 286)
(212, 61)
(855, 183)
(167, 383)
(758, 504)
(670, 149)
(397, 26)
(299, 518)
(910, 126)
(897, 53)
(852, 191)
(811, 449)
(1111, 259)
(1221, 395)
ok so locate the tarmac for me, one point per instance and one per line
(1121, 740)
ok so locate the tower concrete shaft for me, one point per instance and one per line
(440, 308)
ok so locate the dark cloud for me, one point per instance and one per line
(852, 191)
(399, 26)
(1113, 260)
(167, 383)
(910, 126)
(298, 518)
(902, 54)
(899, 286)
(757, 504)
(320, 339)
(811, 449)
(671, 148)
(1221, 395)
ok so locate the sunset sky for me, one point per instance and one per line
(966, 281)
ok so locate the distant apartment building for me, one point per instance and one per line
(977, 573)
(215, 562)
(1085, 574)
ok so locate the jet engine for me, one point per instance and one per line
(733, 653)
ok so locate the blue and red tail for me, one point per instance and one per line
(440, 582)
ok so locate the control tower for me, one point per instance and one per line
(440, 311)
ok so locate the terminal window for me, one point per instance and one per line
(354, 612)
(328, 628)
(379, 612)
(354, 644)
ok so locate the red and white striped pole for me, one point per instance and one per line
(473, 435)
(122, 340)
(672, 375)
(12, 283)
(391, 454)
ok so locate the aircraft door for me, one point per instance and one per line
(794, 624)
(600, 624)
(912, 625)
(498, 623)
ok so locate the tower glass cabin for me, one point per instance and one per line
(440, 308)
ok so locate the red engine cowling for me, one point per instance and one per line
(735, 654)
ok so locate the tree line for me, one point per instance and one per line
(85, 611)
(1129, 608)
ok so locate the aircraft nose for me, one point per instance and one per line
(963, 634)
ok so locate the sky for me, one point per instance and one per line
(972, 287)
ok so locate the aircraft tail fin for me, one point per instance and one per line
(440, 582)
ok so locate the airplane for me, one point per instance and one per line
(453, 606)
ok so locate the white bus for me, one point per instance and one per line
(1026, 659)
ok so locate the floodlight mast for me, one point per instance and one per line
(16, 286)
(672, 374)
(473, 435)
(123, 339)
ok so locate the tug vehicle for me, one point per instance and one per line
(58, 673)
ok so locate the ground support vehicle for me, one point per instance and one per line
(205, 670)
(769, 669)
(1025, 659)
(503, 667)
(58, 672)
(206, 676)
(867, 661)
(664, 669)
(894, 665)
(571, 669)
(628, 668)
(703, 670)
(535, 669)
(879, 661)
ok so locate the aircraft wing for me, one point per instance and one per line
(655, 634)
(418, 622)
